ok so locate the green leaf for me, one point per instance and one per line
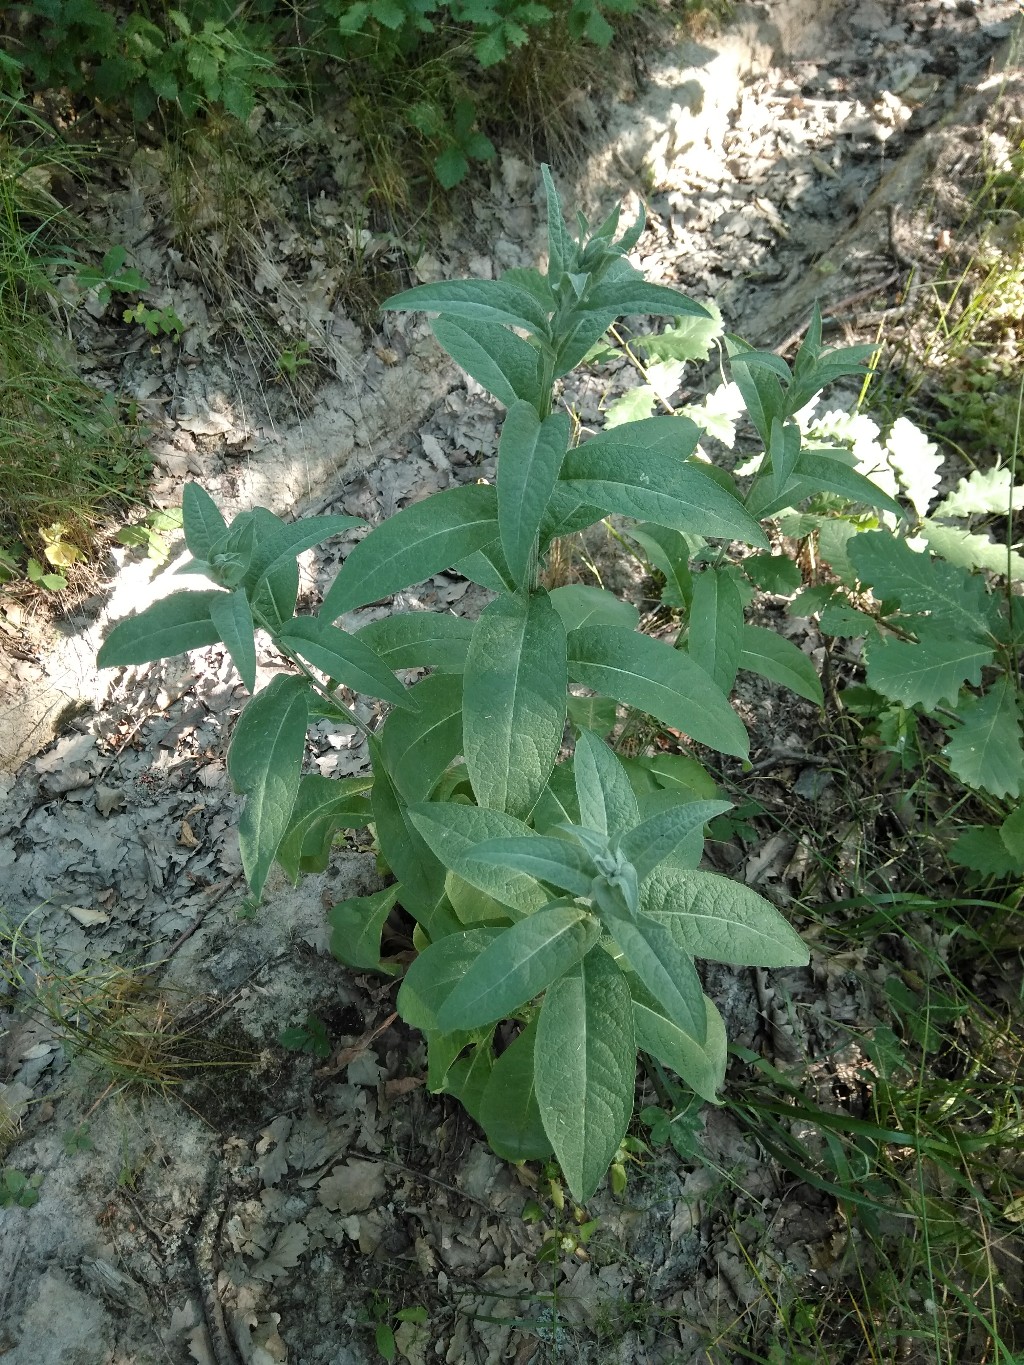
(530, 454)
(822, 471)
(585, 1065)
(170, 626)
(981, 848)
(700, 1065)
(606, 799)
(469, 1077)
(654, 677)
(416, 542)
(632, 471)
(712, 917)
(773, 573)
(839, 618)
(473, 906)
(232, 618)
(770, 654)
(277, 542)
(557, 861)
(501, 362)
(984, 750)
(500, 301)
(630, 294)
(713, 639)
(969, 551)
(920, 583)
(452, 831)
(274, 597)
(264, 761)
(928, 673)
(509, 1113)
(201, 519)
(435, 973)
(1011, 831)
(669, 552)
(592, 713)
(323, 805)
(356, 928)
(678, 773)
(652, 841)
(518, 965)
(418, 745)
(344, 658)
(408, 855)
(759, 385)
(579, 605)
(514, 701)
(557, 804)
(665, 969)
(420, 639)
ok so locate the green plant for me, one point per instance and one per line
(563, 895)
(111, 276)
(18, 1189)
(156, 321)
(388, 1340)
(152, 533)
(309, 1037)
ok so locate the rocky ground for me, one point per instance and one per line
(259, 1205)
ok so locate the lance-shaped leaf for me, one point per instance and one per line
(420, 639)
(654, 677)
(469, 1077)
(509, 1113)
(580, 605)
(585, 1064)
(561, 248)
(501, 362)
(264, 761)
(344, 658)
(408, 855)
(273, 599)
(435, 973)
(201, 520)
(715, 626)
(760, 385)
(356, 928)
(567, 513)
(770, 654)
(784, 451)
(413, 544)
(489, 568)
(530, 454)
(175, 623)
(606, 799)
(323, 806)
(557, 861)
(627, 294)
(664, 968)
(652, 841)
(277, 541)
(453, 830)
(929, 673)
(519, 964)
(819, 471)
(669, 552)
(514, 701)
(700, 1065)
(984, 750)
(621, 473)
(419, 745)
(558, 804)
(230, 613)
(710, 916)
(502, 301)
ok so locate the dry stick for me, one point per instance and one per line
(850, 301)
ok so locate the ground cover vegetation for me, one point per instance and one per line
(553, 895)
(556, 899)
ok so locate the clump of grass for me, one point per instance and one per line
(130, 1035)
(64, 449)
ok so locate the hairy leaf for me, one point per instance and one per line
(230, 614)
(514, 701)
(585, 1064)
(420, 639)
(501, 301)
(356, 928)
(517, 966)
(530, 454)
(342, 657)
(658, 836)
(606, 800)
(579, 605)
(416, 542)
(406, 852)
(770, 654)
(654, 677)
(713, 639)
(664, 968)
(419, 745)
(170, 626)
(712, 917)
(453, 830)
(435, 973)
(509, 1113)
(201, 520)
(501, 362)
(322, 806)
(557, 861)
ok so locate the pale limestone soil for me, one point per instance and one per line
(256, 1227)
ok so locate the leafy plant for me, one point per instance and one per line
(113, 274)
(16, 1188)
(561, 893)
(309, 1037)
(156, 321)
